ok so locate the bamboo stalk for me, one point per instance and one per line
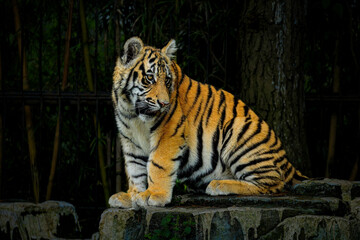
(91, 88)
(63, 86)
(27, 109)
(86, 47)
(334, 116)
(1, 130)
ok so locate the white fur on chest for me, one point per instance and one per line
(139, 132)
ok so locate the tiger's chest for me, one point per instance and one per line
(139, 132)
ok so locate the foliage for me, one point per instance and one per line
(172, 228)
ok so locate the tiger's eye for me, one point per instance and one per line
(168, 82)
(149, 77)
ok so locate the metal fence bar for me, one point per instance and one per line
(74, 97)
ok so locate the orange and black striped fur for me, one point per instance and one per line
(172, 127)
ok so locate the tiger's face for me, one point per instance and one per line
(146, 78)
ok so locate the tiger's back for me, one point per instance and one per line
(173, 127)
(231, 141)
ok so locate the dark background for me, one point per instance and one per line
(35, 94)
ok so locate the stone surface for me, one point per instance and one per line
(47, 220)
(316, 209)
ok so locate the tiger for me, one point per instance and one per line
(173, 128)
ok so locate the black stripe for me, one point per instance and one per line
(272, 178)
(215, 152)
(157, 165)
(205, 106)
(210, 93)
(288, 171)
(225, 143)
(135, 75)
(196, 98)
(270, 151)
(260, 170)
(139, 176)
(246, 110)
(169, 116)
(199, 160)
(150, 179)
(128, 79)
(228, 126)
(246, 150)
(142, 69)
(274, 181)
(118, 117)
(127, 138)
(234, 107)
(199, 148)
(135, 162)
(185, 159)
(188, 89)
(222, 99)
(198, 111)
(222, 117)
(198, 91)
(144, 93)
(180, 123)
(127, 116)
(214, 156)
(151, 60)
(253, 162)
(157, 145)
(137, 87)
(140, 157)
(280, 159)
(132, 71)
(243, 131)
(284, 166)
(115, 90)
(158, 122)
(258, 130)
(210, 111)
(275, 143)
(182, 78)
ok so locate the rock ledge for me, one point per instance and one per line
(314, 209)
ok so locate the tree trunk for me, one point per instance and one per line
(270, 40)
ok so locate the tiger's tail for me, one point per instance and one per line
(298, 177)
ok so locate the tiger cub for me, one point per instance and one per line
(172, 127)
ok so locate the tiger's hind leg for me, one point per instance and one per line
(231, 186)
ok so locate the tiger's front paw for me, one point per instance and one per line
(152, 198)
(120, 199)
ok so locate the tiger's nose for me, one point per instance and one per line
(163, 103)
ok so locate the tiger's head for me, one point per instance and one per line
(144, 78)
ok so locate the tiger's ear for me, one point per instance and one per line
(170, 49)
(132, 48)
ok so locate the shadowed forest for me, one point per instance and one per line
(294, 63)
